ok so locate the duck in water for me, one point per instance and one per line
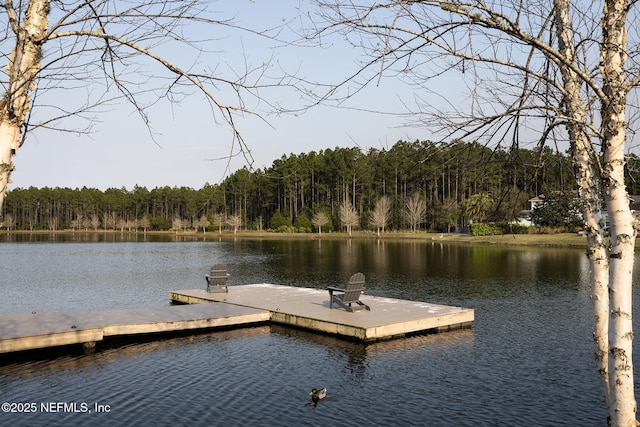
(318, 394)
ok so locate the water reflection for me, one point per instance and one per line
(76, 277)
(419, 259)
(98, 237)
(527, 361)
(97, 360)
(358, 354)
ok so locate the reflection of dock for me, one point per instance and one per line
(241, 306)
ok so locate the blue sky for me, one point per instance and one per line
(120, 153)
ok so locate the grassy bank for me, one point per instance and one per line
(542, 240)
(547, 240)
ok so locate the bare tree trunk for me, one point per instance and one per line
(611, 272)
(597, 252)
(9, 134)
(587, 175)
(599, 174)
(23, 66)
(621, 258)
(623, 234)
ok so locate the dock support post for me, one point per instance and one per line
(89, 347)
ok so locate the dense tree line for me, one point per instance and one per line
(425, 185)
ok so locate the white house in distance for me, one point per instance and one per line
(525, 217)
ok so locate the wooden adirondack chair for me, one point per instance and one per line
(217, 279)
(349, 295)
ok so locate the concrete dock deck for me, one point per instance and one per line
(309, 308)
(39, 330)
(242, 306)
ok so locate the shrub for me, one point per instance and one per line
(278, 220)
(482, 229)
(302, 223)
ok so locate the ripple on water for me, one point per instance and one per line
(527, 361)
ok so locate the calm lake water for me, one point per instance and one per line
(527, 361)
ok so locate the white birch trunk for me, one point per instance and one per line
(590, 191)
(623, 408)
(9, 134)
(598, 254)
(623, 405)
(22, 69)
(623, 237)
(597, 251)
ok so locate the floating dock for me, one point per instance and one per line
(309, 309)
(42, 330)
(246, 305)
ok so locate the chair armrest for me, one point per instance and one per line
(334, 289)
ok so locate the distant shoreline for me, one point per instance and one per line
(569, 240)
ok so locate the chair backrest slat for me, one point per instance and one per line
(354, 288)
(218, 275)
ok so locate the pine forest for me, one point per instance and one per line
(411, 186)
